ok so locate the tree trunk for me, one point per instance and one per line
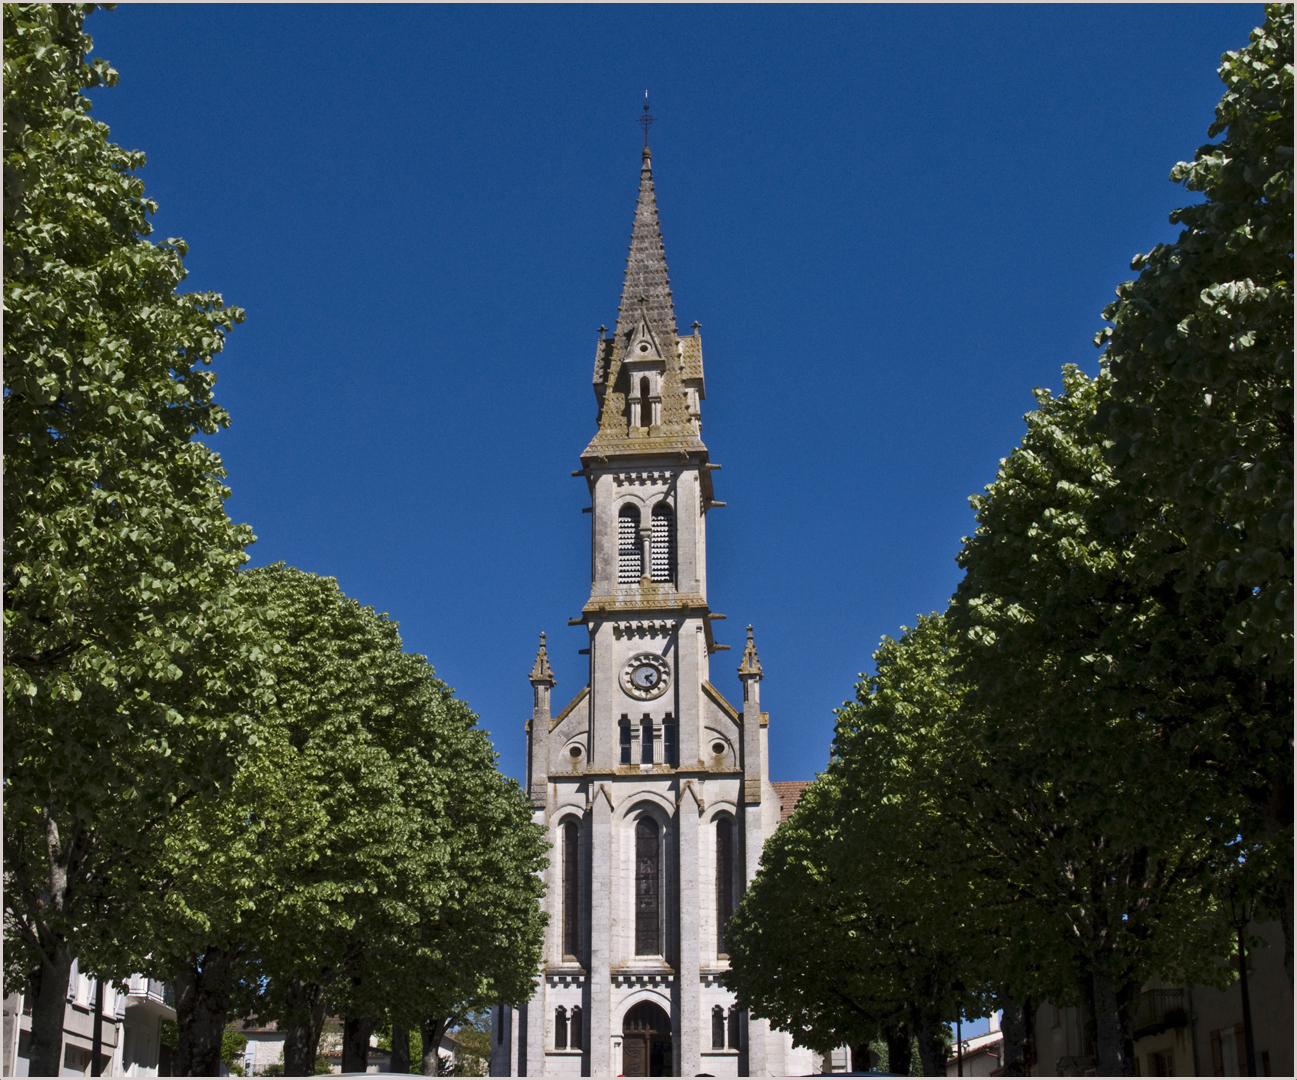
(1015, 1027)
(900, 1049)
(306, 1008)
(202, 1009)
(1112, 1042)
(49, 997)
(432, 1032)
(355, 1043)
(400, 1049)
(932, 1047)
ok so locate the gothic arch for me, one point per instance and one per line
(647, 802)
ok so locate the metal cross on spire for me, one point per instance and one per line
(646, 120)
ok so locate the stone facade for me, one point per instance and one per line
(655, 789)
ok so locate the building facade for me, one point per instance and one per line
(129, 1040)
(653, 786)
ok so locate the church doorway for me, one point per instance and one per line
(646, 1041)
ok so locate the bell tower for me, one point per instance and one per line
(654, 788)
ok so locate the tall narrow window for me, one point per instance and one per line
(630, 558)
(645, 406)
(625, 739)
(669, 747)
(734, 1028)
(648, 888)
(571, 890)
(662, 546)
(718, 1028)
(560, 1028)
(724, 879)
(576, 1039)
(499, 1027)
(646, 740)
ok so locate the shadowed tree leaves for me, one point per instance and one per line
(1199, 422)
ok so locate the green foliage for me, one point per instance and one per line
(1199, 424)
(1201, 351)
(125, 679)
(472, 1045)
(864, 914)
(233, 1043)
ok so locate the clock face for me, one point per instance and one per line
(645, 676)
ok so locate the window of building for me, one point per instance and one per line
(1161, 1064)
(499, 1025)
(670, 748)
(575, 1039)
(724, 879)
(625, 737)
(1229, 1051)
(645, 405)
(648, 888)
(718, 1028)
(630, 559)
(560, 1028)
(662, 544)
(734, 1028)
(646, 740)
(571, 889)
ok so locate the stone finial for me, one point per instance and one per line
(751, 664)
(542, 673)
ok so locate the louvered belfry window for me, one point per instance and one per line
(647, 888)
(630, 559)
(662, 553)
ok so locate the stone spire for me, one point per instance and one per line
(541, 673)
(644, 343)
(751, 664)
(646, 291)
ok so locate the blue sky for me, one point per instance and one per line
(892, 223)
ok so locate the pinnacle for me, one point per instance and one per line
(751, 663)
(541, 672)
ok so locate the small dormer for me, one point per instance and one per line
(643, 364)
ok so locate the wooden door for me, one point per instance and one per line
(634, 1055)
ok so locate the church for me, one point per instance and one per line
(654, 786)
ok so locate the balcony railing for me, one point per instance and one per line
(1158, 1011)
(147, 989)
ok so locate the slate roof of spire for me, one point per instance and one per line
(646, 305)
(646, 288)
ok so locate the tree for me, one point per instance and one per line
(1089, 812)
(368, 857)
(864, 918)
(119, 704)
(1199, 421)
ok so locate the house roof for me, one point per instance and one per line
(790, 793)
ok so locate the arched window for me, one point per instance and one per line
(630, 558)
(645, 406)
(662, 544)
(718, 1028)
(560, 1028)
(576, 1038)
(648, 887)
(724, 879)
(733, 1026)
(571, 890)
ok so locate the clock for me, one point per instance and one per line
(645, 676)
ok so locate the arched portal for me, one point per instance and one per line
(646, 1041)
